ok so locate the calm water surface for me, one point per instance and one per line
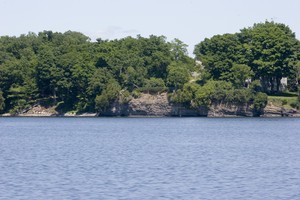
(149, 158)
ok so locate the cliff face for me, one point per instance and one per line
(39, 111)
(230, 110)
(275, 111)
(159, 105)
(152, 105)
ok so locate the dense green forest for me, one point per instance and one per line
(70, 72)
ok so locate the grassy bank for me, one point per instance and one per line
(288, 100)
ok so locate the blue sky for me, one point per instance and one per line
(189, 20)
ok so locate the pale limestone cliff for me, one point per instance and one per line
(230, 110)
(40, 111)
(159, 105)
(152, 105)
(275, 111)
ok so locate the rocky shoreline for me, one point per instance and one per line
(158, 105)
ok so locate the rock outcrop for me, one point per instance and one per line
(230, 110)
(275, 111)
(152, 105)
(159, 105)
(40, 111)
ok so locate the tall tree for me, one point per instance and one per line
(267, 48)
(2, 103)
(218, 54)
(272, 46)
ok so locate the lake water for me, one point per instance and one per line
(150, 158)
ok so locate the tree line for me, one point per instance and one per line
(71, 72)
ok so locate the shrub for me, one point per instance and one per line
(284, 102)
(102, 102)
(259, 103)
(19, 107)
(242, 96)
(212, 91)
(186, 95)
(2, 104)
(136, 94)
(178, 75)
(255, 86)
(109, 94)
(295, 104)
(124, 97)
(154, 82)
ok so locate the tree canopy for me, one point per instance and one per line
(270, 50)
(69, 71)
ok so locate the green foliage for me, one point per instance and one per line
(260, 101)
(76, 73)
(218, 53)
(20, 105)
(152, 90)
(269, 49)
(98, 80)
(238, 74)
(243, 96)
(155, 82)
(102, 102)
(218, 92)
(212, 92)
(295, 104)
(186, 95)
(179, 50)
(108, 96)
(178, 75)
(79, 75)
(2, 101)
(297, 71)
(124, 96)
(299, 93)
(133, 78)
(153, 85)
(285, 101)
(136, 94)
(194, 95)
(255, 86)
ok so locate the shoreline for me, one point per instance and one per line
(159, 106)
(143, 116)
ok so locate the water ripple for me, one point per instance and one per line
(165, 158)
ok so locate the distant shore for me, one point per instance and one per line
(158, 105)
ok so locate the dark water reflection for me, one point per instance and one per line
(153, 158)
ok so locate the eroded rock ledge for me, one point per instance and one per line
(158, 105)
(275, 111)
(152, 105)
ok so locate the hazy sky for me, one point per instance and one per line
(189, 20)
